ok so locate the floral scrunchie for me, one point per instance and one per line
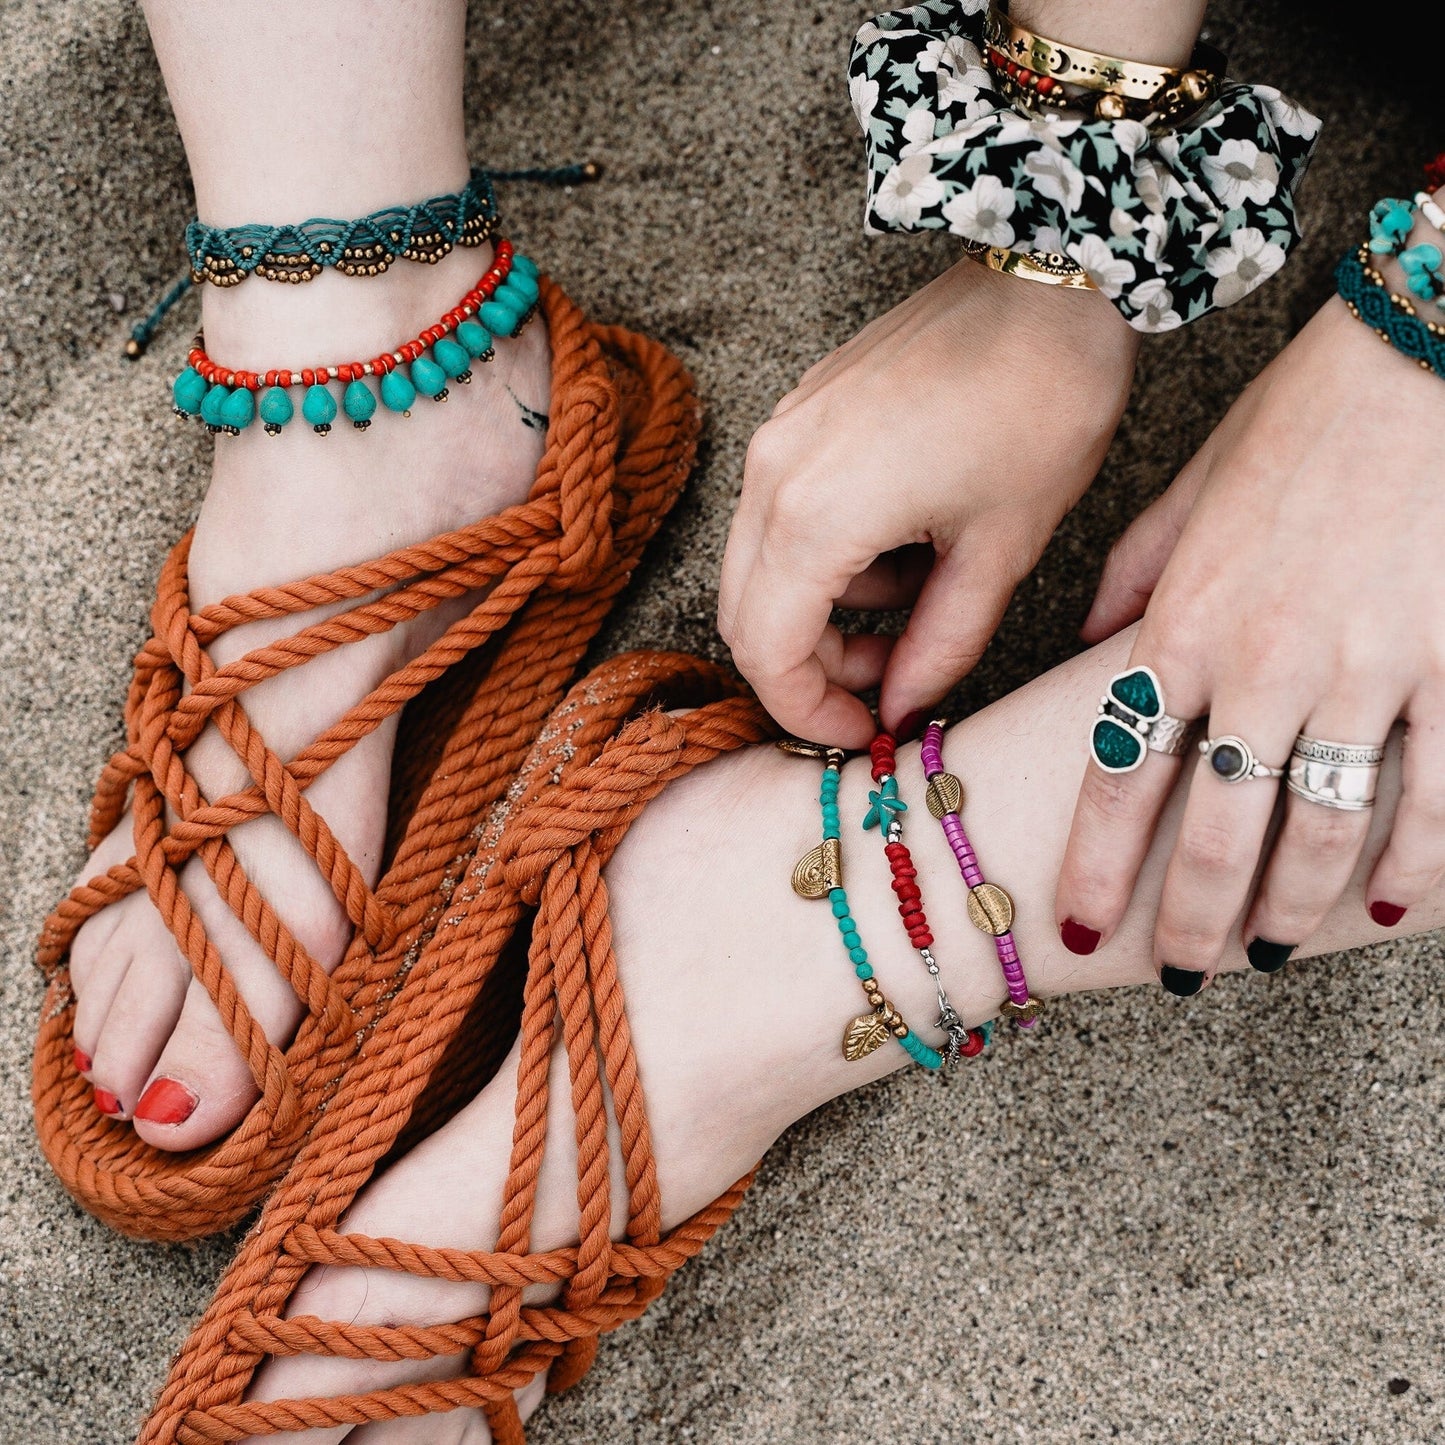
(1167, 226)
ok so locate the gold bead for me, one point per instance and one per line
(945, 794)
(1194, 85)
(990, 909)
(1110, 107)
(132, 348)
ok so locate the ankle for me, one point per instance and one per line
(260, 324)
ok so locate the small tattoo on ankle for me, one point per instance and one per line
(536, 420)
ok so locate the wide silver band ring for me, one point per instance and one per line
(1335, 775)
(1131, 721)
(1232, 760)
(1172, 736)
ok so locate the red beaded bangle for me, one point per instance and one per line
(886, 806)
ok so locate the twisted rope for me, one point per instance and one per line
(603, 755)
(620, 444)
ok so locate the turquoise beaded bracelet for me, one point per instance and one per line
(819, 874)
(1389, 315)
(228, 401)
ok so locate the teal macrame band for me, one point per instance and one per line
(427, 231)
(1391, 317)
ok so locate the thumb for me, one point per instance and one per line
(1137, 560)
(958, 610)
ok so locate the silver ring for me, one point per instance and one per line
(1131, 719)
(1335, 775)
(1233, 761)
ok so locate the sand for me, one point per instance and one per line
(1216, 1221)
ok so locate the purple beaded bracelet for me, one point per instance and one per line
(990, 909)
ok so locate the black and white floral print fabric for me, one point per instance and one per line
(1169, 226)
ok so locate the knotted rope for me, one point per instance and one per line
(619, 446)
(587, 780)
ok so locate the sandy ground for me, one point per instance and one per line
(1212, 1222)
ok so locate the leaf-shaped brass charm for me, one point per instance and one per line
(990, 909)
(819, 870)
(863, 1034)
(945, 794)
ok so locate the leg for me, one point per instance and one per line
(279, 127)
(737, 1000)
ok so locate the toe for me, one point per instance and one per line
(142, 1011)
(199, 1088)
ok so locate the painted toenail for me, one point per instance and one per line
(107, 1102)
(167, 1101)
(82, 1060)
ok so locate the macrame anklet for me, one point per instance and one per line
(990, 909)
(1391, 316)
(226, 255)
(503, 301)
(819, 874)
(884, 813)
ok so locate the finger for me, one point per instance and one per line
(782, 643)
(1118, 811)
(958, 611)
(1317, 848)
(892, 582)
(744, 537)
(1414, 859)
(1216, 854)
(1136, 561)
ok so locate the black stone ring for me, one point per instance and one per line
(1233, 760)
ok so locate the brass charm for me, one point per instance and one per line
(801, 747)
(1022, 1012)
(990, 909)
(863, 1034)
(945, 794)
(819, 870)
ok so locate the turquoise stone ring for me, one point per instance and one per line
(1132, 720)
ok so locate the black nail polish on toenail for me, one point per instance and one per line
(1182, 982)
(1269, 957)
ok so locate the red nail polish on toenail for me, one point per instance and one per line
(1387, 915)
(82, 1061)
(107, 1102)
(166, 1102)
(1078, 938)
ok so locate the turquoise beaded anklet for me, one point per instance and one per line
(502, 302)
(819, 874)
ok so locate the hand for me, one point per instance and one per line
(927, 462)
(1296, 586)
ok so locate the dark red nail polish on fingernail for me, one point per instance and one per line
(1387, 915)
(909, 726)
(107, 1102)
(82, 1061)
(167, 1101)
(1077, 937)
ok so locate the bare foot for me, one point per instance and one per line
(736, 1005)
(279, 509)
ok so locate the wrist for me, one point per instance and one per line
(1140, 30)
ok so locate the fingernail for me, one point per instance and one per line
(1387, 915)
(909, 726)
(1077, 937)
(107, 1102)
(167, 1101)
(1182, 982)
(82, 1060)
(1269, 957)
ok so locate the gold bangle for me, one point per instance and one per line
(1049, 267)
(1034, 69)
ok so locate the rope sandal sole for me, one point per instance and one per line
(620, 443)
(606, 753)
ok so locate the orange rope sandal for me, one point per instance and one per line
(621, 441)
(589, 777)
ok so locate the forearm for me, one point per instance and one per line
(1160, 32)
